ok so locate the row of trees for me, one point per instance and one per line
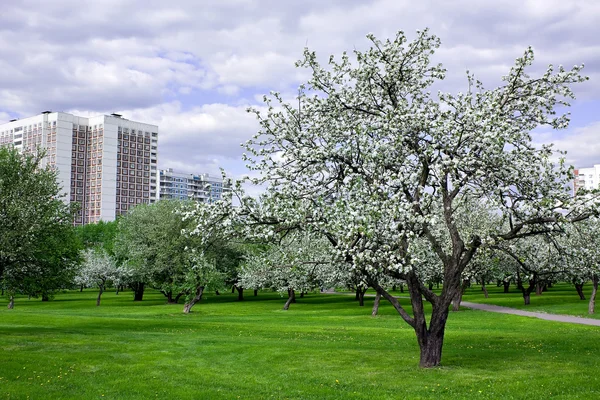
(149, 247)
(41, 251)
(298, 262)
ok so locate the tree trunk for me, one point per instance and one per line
(579, 288)
(301, 295)
(592, 305)
(80, 288)
(11, 303)
(527, 291)
(361, 297)
(357, 294)
(117, 290)
(188, 306)
(138, 291)
(376, 304)
(539, 289)
(45, 297)
(431, 286)
(255, 292)
(232, 289)
(101, 289)
(506, 286)
(457, 299)
(170, 299)
(401, 288)
(240, 291)
(484, 289)
(217, 293)
(430, 339)
(291, 299)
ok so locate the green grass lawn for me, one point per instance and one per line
(560, 299)
(324, 347)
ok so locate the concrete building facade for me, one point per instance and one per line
(184, 186)
(588, 178)
(107, 164)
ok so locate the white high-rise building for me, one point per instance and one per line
(184, 186)
(107, 164)
(588, 178)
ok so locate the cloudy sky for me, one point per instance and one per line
(193, 66)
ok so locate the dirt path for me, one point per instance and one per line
(514, 311)
(505, 310)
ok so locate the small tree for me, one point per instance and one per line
(151, 242)
(535, 261)
(203, 273)
(298, 263)
(99, 269)
(582, 244)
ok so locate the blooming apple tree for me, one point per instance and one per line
(366, 156)
(299, 263)
(536, 261)
(582, 244)
(98, 269)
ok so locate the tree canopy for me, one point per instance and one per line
(39, 251)
(369, 159)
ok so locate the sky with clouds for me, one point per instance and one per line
(193, 67)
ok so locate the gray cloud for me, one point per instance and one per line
(150, 59)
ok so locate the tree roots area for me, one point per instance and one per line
(324, 347)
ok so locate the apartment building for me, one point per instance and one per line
(588, 178)
(185, 186)
(107, 164)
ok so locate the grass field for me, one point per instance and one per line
(324, 347)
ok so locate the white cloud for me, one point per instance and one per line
(192, 67)
(581, 144)
(199, 139)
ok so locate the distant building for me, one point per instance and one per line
(184, 186)
(588, 178)
(106, 163)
